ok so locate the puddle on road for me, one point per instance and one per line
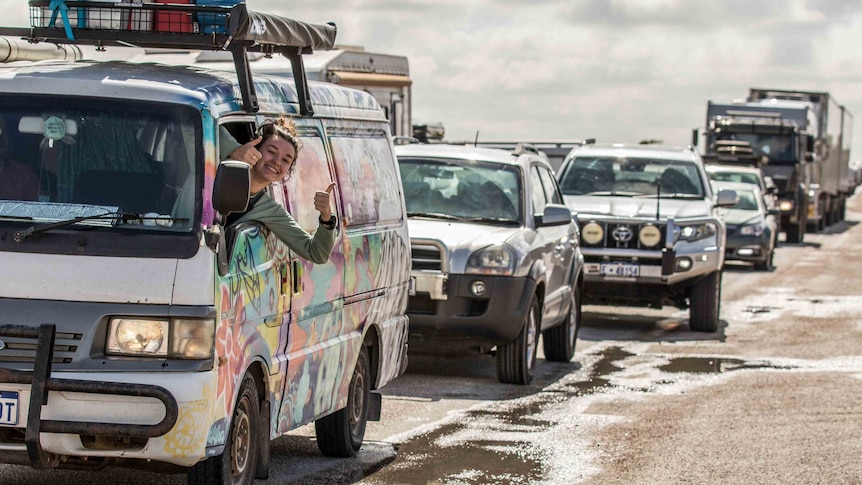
(713, 365)
(427, 459)
(759, 309)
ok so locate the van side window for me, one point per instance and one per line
(370, 189)
(233, 132)
(310, 175)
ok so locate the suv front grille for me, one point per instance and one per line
(619, 228)
(426, 258)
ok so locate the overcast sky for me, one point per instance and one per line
(614, 70)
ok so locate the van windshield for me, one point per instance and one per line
(79, 160)
(62, 158)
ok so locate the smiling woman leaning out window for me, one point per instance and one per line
(272, 157)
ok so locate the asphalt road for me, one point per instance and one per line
(775, 396)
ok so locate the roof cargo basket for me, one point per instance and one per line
(182, 26)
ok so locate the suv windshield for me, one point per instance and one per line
(461, 189)
(631, 177)
(63, 158)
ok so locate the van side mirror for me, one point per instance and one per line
(554, 215)
(231, 187)
(726, 198)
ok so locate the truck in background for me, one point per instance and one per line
(832, 129)
(801, 140)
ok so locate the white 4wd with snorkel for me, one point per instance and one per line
(650, 234)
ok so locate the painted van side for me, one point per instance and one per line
(295, 326)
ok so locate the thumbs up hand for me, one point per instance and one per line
(322, 202)
(247, 153)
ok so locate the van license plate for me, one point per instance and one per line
(8, 408)
(624, 270)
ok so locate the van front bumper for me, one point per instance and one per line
(132, 416)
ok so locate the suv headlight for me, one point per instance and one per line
(177, 338)
(696, 232)
(493, 260)
(751, 230)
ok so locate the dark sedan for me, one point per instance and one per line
(752, 229)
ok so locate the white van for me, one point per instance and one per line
(135, 328)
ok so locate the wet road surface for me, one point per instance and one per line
(774, 396)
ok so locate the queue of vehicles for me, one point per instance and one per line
(164, 337)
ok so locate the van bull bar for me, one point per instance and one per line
(41, 384)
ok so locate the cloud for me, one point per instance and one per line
(618, 70)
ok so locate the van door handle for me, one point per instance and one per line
(285, 279)
(297, 277)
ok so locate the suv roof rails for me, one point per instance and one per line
(243, 31)
(522, 148)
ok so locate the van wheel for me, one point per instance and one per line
(341, 433)
(516, 361)
(559, 342)
(236, 465)
(705, 300)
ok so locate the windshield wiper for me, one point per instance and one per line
(435, 215)
(490, 219)
(123, 217)
(613, 193)
(677, 195)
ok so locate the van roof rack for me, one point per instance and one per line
(239, 32)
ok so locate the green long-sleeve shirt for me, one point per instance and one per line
(315, 247)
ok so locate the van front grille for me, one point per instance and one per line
(20, 353)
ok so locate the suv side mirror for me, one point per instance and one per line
(231, 187)
(554, 215)
(726, 198)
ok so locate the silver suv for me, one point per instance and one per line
(495, 256)
(650, 233)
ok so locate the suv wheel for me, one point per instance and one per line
(516, 361)
(559, 342)
(705, 300)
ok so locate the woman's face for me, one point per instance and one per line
(276, 157)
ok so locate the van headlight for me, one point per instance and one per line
(696, 232)
(177, 338)
(493, 260)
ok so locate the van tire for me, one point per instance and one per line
(237, 463)
(559, 342)
(516, 361)
(340, 434)
(705, 302)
